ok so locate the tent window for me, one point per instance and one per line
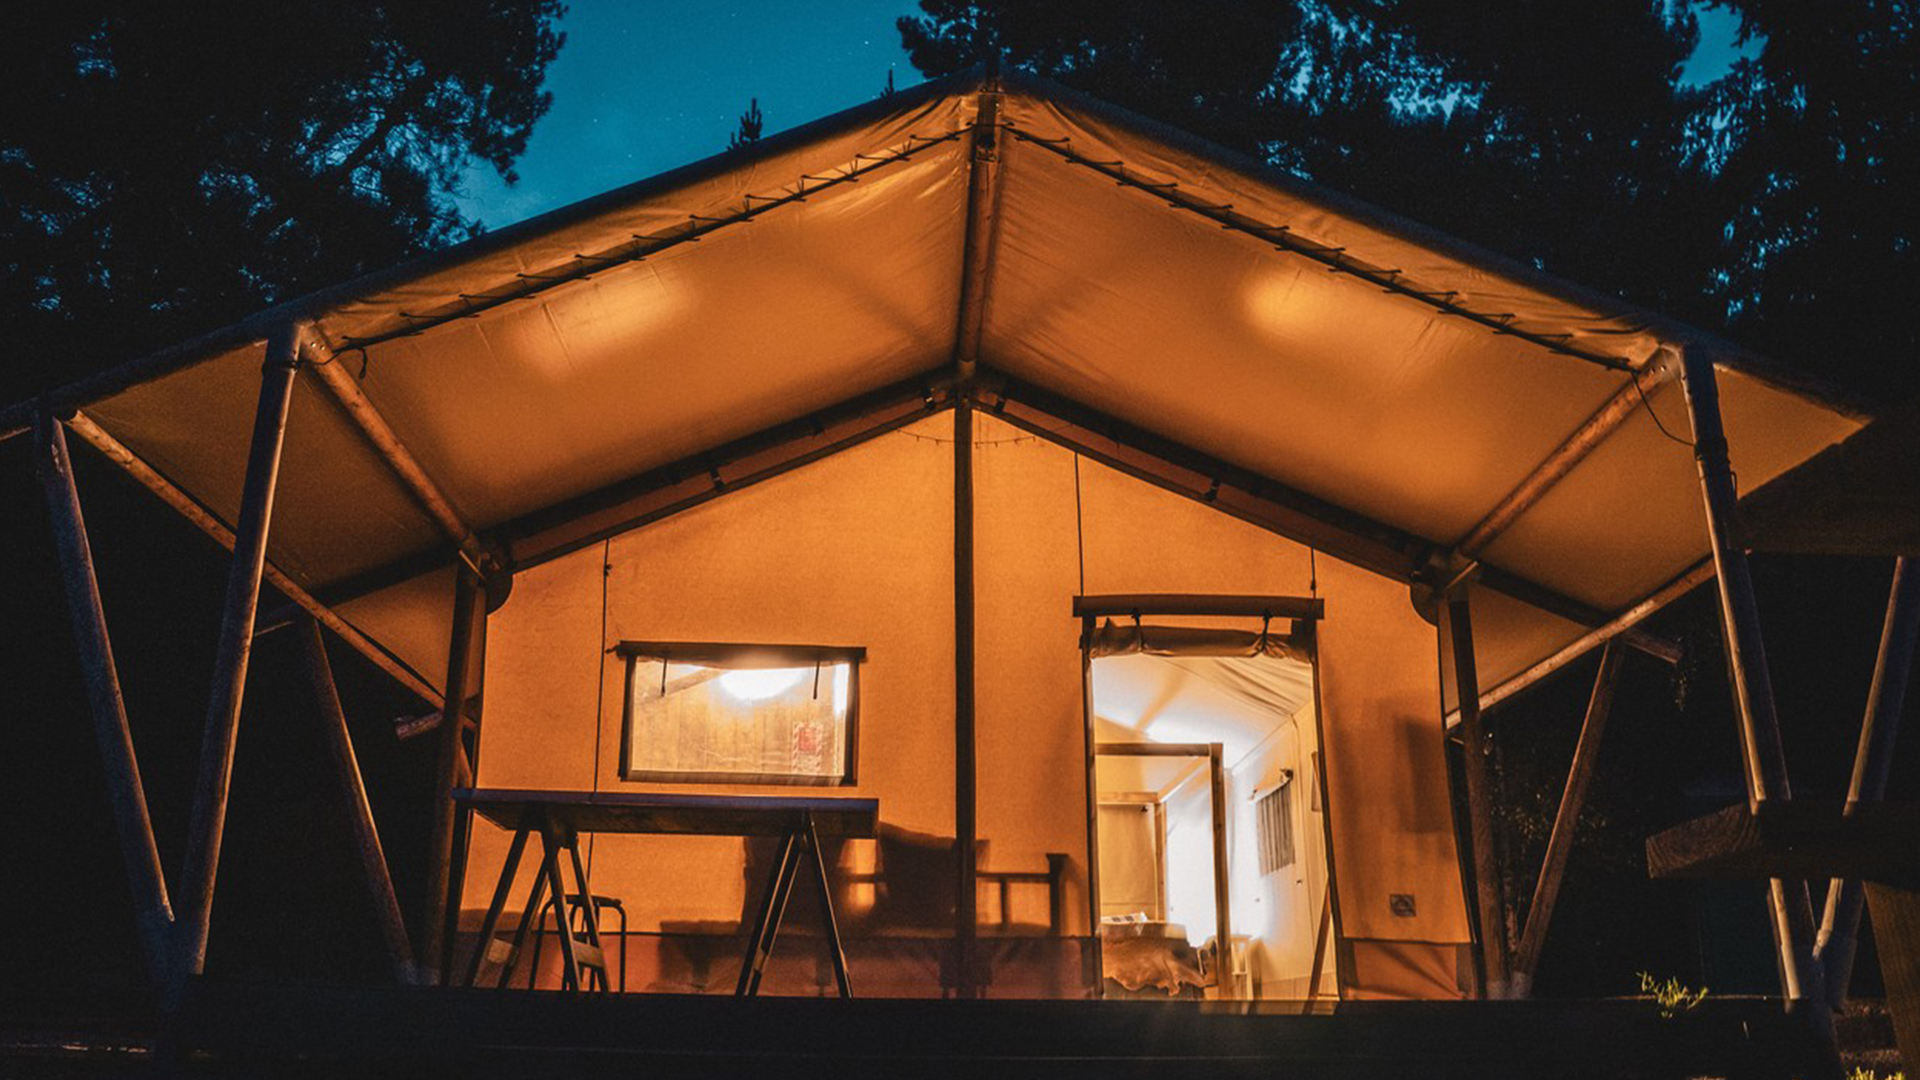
(742, 714)
(1273, 817)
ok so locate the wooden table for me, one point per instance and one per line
(561, 816)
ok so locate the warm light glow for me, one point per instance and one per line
(842, 688)
(759, 684)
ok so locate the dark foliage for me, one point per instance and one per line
(164, 170)
(167, 168)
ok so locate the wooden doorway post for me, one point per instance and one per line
(1761, 753)
(469, 618)
(215, 776)
(1489, 897)
(965, 778)
(1095, 959)
(145, 879)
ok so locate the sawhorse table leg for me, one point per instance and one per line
(574, 955)
(773, 909)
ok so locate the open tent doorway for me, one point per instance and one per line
(1209, 820)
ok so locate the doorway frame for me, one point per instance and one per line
(1222, 890)
(1304, 613)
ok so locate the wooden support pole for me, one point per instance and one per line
(1489, 899)
(1586, 753)
(184, 505)
(1896, 929)
(1761, 753)
(468, 613)
(965, 791)
(1096, 978)
(366, 835)
(153, 913)
(1224, 983)
(1840, 923)
(208, 823)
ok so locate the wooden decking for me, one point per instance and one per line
(287, 1031)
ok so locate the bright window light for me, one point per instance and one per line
(759, 684)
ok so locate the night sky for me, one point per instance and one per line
(643, 88)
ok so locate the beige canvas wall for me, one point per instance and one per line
(854, 550)
(857, 550)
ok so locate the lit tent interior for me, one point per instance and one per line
(718, 406)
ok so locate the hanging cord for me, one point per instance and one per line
(937, 440)
(1654, 416)
(600, 687)
(1313, 572)
(1079, 527)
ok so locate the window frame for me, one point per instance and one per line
(730, 654)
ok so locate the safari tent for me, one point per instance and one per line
(1140, 529)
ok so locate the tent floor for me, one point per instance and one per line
(282, 1030)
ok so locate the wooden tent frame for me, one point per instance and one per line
(174, 928)
(1304, 613)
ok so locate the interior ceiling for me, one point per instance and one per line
(1237, 701)
(1373, 401)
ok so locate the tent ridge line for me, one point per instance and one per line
(643, 246)
(1334, 258)
(980, 229)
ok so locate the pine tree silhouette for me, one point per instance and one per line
(751, 123)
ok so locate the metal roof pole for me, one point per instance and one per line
(976, 255)
(1607, 419)
(1840, 923)
(145, 879)
(385, 442)
(209, 818)
(183, 504)
(1765, 761)
(375, 876)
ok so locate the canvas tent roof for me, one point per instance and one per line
(1302, 360)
